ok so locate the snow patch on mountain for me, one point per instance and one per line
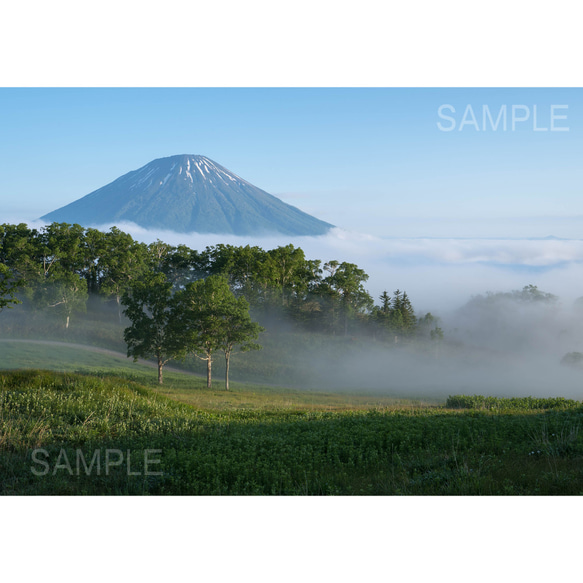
(160, 195)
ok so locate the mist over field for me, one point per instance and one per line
(414, 375)
(493, 345)
(507, 350)
(497, 346)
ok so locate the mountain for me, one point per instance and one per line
(188, 193)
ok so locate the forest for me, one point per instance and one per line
(61, 269)
(60, 265)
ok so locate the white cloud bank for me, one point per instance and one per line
(438, 274)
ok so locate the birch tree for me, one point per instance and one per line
(212, 319)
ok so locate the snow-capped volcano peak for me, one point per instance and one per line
(189, 193)
(190, 168)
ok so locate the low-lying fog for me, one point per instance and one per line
(504, 347)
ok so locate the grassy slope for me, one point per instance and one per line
(288, 358)
(184, 387)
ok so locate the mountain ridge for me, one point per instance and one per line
(189, 193)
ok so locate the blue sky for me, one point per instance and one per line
(367, 160)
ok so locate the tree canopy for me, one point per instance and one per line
(152, 333)
(211, 318)
(61, 267)
(8, 287)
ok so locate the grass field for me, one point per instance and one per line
(183, 386)
(108, 429)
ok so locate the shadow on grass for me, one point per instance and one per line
(66, 434)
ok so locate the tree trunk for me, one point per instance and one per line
(209, 363)
(67, 323)
(118, 300)
(160, 366)
(227, 357)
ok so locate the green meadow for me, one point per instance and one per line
(75, 420)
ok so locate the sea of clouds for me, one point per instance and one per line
(439, 274)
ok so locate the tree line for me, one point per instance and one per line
(58, 267)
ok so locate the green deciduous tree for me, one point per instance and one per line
(18, 251)
(211, 318)
(281, 271)
(61, 259)
(66, 293)
(91, 251)
(181, 265)
(345, 291)
(123, 261)
(237, 331)
(8, 287)
(153, 332)
(62, 248)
